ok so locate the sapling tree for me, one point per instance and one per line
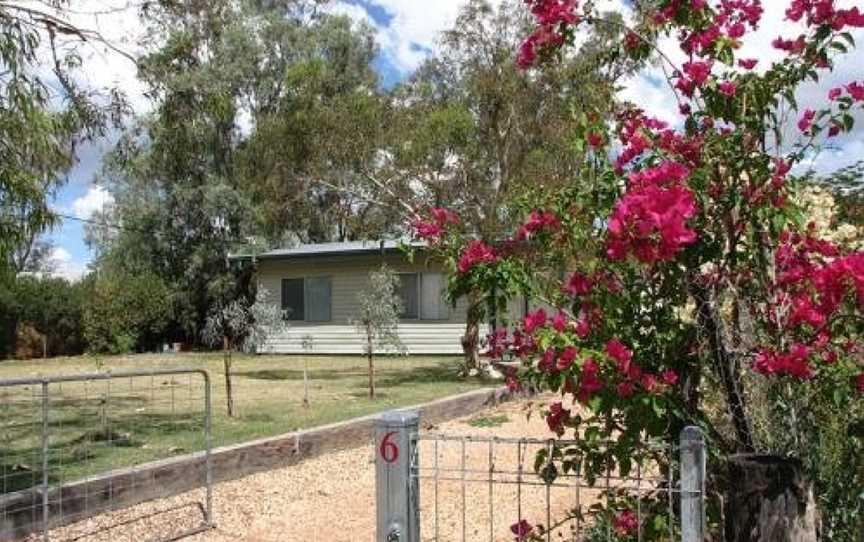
(695, 290)
(241, 324)
(378, 317)
(308, 344)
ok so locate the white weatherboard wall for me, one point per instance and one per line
(350, 275)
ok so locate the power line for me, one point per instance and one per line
(104, 224)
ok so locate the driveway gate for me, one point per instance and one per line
(463, 488)
(75, 447)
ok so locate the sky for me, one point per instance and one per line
(407, 32)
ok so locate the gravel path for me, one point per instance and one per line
(332, 498)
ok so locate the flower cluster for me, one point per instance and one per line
(538, 221)
(814, 282)
(650, 221)
(823, 12)
(432, 227)
(557, 417)
(522, 530)
(625, 523)
(475, 253)
(553, 18)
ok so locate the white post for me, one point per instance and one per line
(397, 496)
(692, 485)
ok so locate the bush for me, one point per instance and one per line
(45, 313)
(125, 312)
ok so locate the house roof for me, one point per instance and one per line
(349, 248)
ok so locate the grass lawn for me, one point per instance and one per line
(101, 426)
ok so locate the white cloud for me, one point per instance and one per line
(93, 201)
(65, 266)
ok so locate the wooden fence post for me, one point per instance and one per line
(692, 485)
(770, 500)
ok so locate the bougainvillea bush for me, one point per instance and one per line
(675, 281)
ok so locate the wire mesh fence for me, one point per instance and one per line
(461, 488)
(74, 447)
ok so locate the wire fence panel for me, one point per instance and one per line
(463, 488)
(77, 447)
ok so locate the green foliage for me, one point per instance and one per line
(44, 114)
(378, 316)
(125, 312)
(50, 306)
(489, 421)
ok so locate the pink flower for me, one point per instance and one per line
(444, 216)
(625, 522)
(698, 71)
(595, 140)
(557, 417)
(748, 63)
(589, 382)
(650, 383)
(625, 389)
(736, 30)
(426, 230)
(559, 323)
(565, 360)
(859, 383)
(477, 252)
(806, 120)
(578, 284)
(728, 88)
(792, 46)
(619, 353)
(538, 221)
(535, 320)
(583, 327)
(835, 93)
(522, 529)
(793, 363)
(669, 377)
(527, 54)
(856, 90)
(651, 223)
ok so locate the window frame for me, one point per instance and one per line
(304, 290)
(419, 293)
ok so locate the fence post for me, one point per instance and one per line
(692, 485)
(397, 497)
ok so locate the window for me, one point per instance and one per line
(292, 299)
(318, 299)
(307, 299)
(409, 293)
(422, 296)
(433, 305)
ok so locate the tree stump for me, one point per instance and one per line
(769, 500)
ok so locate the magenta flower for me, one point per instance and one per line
(806, 120)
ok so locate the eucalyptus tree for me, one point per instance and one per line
(45, 114)
(470, 131)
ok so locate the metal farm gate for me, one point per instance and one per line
(436, 487)
(76, 447)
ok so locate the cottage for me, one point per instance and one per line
(317, 286)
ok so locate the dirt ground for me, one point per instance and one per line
(332, 498)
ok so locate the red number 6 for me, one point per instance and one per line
(388, 449)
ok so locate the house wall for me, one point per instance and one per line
(349, 276)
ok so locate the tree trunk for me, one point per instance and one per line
(370, 353)
(44, 346)
(229, 390)
(471, 339)
(769, 500)
(725, 365)
(305, 382)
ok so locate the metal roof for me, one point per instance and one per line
(331, 249)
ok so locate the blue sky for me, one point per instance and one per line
(407, 32)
